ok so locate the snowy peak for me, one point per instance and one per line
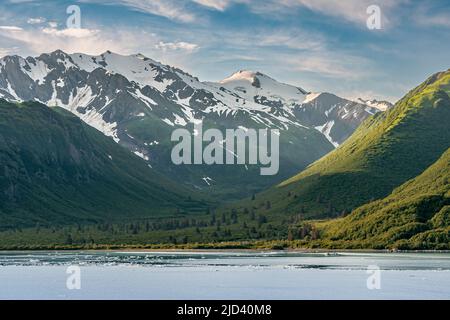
(256, 86)
(321, 96)
(56, 55)
(243, 76)
(330, 98)
(116, 63)
(136, 68)
(330, 114)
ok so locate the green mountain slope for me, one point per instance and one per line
(54, 169)
(384, 152)
(415, 215)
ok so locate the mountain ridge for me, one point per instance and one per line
(138, 102)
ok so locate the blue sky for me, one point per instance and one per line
(320, 45)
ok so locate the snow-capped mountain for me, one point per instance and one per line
(336, 118)
(138, 102)
(255, 86)
(380, 105)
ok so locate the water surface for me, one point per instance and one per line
(225, 275)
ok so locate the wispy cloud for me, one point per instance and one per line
(330, 64)
(171, 9)
(426, 16)
(350, 10)
(354, 11)
(442, 20)
(219, 5)
(290, 38)
(293, 49)
(19, 1)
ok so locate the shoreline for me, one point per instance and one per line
(218, 250)
(295, 246)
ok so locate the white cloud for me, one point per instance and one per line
(186, 46)
(71, 33)
(38, 20)
(71, 40)
(10, 28)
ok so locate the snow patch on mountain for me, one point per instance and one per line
(325, 129)
(380, 105)
(311, 97)
(149, 102)
(12, 92)
(36, 70)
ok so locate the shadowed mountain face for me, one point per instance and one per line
(138, 102)
(384, 152)
(54, 169)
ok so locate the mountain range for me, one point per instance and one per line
(138, 102)
(354, 174)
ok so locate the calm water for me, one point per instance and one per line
(224, 275)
